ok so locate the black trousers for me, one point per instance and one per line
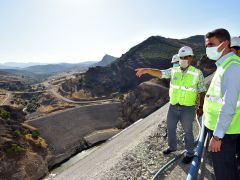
(238, 156)
(225, 162)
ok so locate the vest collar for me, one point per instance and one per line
(186, 70)
(218, 63)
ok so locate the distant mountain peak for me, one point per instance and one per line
(106, 60)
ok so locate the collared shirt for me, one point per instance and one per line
(201, 86)
(230, 88)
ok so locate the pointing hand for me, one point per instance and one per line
(140, 71)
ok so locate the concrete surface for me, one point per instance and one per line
(95, 165)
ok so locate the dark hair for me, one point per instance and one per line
(237, 48)
(220, 34)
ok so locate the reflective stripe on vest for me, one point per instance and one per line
(219, 100)
(183, 88)
(214, 99)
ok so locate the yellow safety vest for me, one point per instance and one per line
(214, 102)
(183, 88)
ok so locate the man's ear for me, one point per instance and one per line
(227, 44)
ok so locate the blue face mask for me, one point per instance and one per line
(175, 65)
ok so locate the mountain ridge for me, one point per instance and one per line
(154, 52)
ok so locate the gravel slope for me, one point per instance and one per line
(146, 158)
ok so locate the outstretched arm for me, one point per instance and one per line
(152, 72)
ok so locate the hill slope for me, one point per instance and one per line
(155, 52)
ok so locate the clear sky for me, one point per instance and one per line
(51, 31)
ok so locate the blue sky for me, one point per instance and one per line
(51, 31)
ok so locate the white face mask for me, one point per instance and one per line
(175, 65)
(212, 52)
(183, 63)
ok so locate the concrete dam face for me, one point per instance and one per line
(65, 131)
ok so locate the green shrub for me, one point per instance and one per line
(18, 133)
(15, 149)
(35, 134)
(4, 114)
(33, 104)
(32, 107)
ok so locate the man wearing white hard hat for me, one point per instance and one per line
(175, 60)
(235, 45)
(187, 82)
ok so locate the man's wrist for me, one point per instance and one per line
(146, 70)
(217, 138)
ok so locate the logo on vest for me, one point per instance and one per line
(175, 78)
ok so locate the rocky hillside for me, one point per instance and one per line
(206, 66)
(23, 153)
(14, 82)
(145, 99)
(155, 52)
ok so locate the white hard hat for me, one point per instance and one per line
(185, 51)
(235, 41)
(175, 58)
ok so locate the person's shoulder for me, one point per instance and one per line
(198, 70)
(232, 73)
(234, 62)
(235, 57)
(233, 69)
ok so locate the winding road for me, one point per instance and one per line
(53, 90)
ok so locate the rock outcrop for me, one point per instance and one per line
(23, 154)
(145, 99)
(206, 65)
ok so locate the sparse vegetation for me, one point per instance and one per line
(33, 104)
(81, 83)
(37, 141)
(35, 134)
(15, 149)
(4, 114)
(18, 133)
(18, 102)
